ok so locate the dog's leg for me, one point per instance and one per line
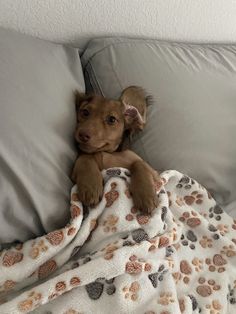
(143, 186)
(86, 174)
(143, 178)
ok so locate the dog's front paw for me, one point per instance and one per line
(90, 190)
(143, 188)
(144, 198)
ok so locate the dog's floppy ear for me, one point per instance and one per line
(135, 101)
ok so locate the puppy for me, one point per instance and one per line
(103, 128)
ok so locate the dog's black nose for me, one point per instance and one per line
(84, 137)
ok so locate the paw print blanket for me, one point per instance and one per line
(113, 259)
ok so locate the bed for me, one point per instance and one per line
(56, 258)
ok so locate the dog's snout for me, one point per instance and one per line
(84, 136)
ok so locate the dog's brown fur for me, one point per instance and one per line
(101, 128)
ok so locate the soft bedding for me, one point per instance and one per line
(191, 126)
(37, 121)
(112, 259)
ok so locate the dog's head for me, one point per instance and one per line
(101, 122)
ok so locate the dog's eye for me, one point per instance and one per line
(84, 113)
(111, 120)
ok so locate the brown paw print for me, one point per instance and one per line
(46, 269)
(75, 281)
(11, 258)
(194, 197)
(206, 242)
(132, 215)
(131, 292)
(141, 219)
(191, 219)
(160, 242)
(7, 286)
(228, 251)
(137, 265)
(60, 286)
(206, 288)
(198, 264)
(215, 307)
(109, 224)
(109, 251)
(177, 277)
(163, 242)
(59, 289)
(75, 211)
(181, 277)
(70, 230)
(37, 248)
(186, 270)
(216, 263)
(165, 298)
(55, 237)
(32, 301)
(223, 229)
(112, 195)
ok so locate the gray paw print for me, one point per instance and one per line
(188, 239)
(96, 288)
(158, 276)
(185, 182)
(215, 212)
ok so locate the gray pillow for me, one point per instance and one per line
(192, 124)
(37, 120)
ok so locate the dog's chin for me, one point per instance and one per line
(88, 149)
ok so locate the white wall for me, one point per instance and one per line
(74, 21)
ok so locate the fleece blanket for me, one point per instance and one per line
(113, 259)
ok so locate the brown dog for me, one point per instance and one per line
(103, 126)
